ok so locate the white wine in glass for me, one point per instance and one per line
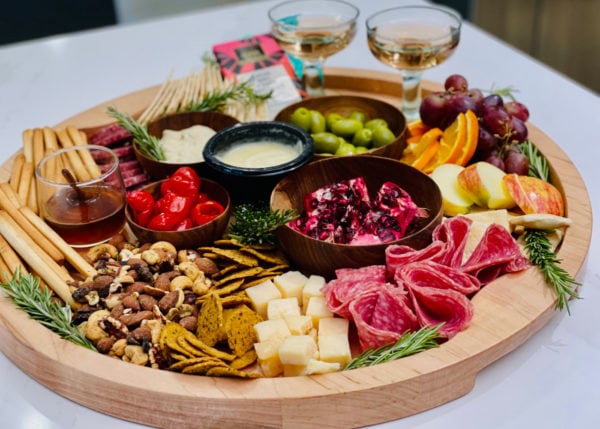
(313, 30)
(412, 39)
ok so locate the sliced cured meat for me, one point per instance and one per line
(453, 233)
(381, 315)
(109, 135)
(434, 306)
(433, 274)
(497, 253)
(350, 282)
(397, 255)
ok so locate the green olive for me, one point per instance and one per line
(359, 116)
(382, 136)
(317, 124)
(345, 149)
(330, 118)
(362, 137)
(301, 117)
(375, 123)
(346, 127)
(326, 142)
(360, 150)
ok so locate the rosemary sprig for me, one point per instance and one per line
(538, 164)
(25, 291)
(408, 344)
(540, 253)
(217, 99)
(148, 144)
(505, 92)
(256, 223)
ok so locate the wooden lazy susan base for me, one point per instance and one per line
(508, 311)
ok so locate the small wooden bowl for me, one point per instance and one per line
(160, 169)
(318, 257)
(345, 105)
(193, 237)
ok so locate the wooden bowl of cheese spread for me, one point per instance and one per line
(182, 139)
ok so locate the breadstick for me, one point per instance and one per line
(38, 146)
(10, 257)
(86, 156)
(15, 175)
(13, 211)
(50, 142)
(28, 145)
(25, 182)
(39, 262)
(32, 201)
(77, 165)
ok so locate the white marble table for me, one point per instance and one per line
(552, 381)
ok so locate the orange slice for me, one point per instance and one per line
(428, 154)
(468, 149)
(451, 143)
(416, 128)
(414, 149)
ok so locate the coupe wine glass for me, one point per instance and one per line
(413, 39)
(313, 30)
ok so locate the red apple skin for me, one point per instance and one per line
(470, 182)
(534, 195)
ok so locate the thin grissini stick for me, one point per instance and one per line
(25, 182)
(50, 272)
(38, 146)
(4, 271)
(76, 260)
(6, 203)
(10, 257)
(15, 175)
(28, 144)
(77, 164)
(32, 201)
(50, 141)
(86, 156)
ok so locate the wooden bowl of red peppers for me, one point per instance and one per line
(184, 209)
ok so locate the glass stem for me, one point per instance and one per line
(411, 94)
(312, 78)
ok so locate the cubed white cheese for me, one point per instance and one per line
(297, 350)
(333, 326)
(268, 330)
(261, 294)
(268, 358)
(334, 348)
(281, 307)
(316, 366)
(299, 324)
(290, 284)
(317, 309)
(312, 287)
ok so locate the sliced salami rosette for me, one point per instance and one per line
(433, 274)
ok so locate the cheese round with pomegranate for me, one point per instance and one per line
(259, 154)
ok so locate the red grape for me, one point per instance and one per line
(459, 103)
(496, 120)
(517, 109)
(495, 159)
(456, 83)
(492, 100)
(486, 141)
(476, 95)
(519, 129)
(433, 109)
(516, 162)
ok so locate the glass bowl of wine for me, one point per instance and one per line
(312, 31)
(413, 39)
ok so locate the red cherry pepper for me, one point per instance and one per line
(142, 217)
(140, 200)
(164, 222)
(176, 205)
(184, 224)
(185, 181)
(205, 211)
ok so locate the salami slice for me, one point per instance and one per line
(453, 233)
(497, 253)
(381, 315)
(350, 282)
(434, 306)
(433, 274)
(397, 256)
(109, 135)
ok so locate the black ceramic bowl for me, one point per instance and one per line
(255, 183)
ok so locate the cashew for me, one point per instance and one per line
(201, 285)
(118, 348)
(151, 257)
(135, 355)
(164, 246)
(187, 255)
(190, 269)
(103, 250)
(181, 282)
(93, 330)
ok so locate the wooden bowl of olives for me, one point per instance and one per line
(349, 125)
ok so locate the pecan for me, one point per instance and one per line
(115, 327)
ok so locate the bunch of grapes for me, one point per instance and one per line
(501, 124)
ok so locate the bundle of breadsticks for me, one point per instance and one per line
(26, 241)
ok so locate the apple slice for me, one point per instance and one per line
(534, 195)
(454, 200)
(482, 182)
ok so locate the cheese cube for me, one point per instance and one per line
(268, 358)
(293, 370)
(297, 350)
(290, 284)
(261, 294)
(316, 366)
(312, 287)
(268, 330)
(335, 348)
(299, 324)
(317, 309)
(281, 307)
(333, 325)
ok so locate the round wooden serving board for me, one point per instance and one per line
(507, 312)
